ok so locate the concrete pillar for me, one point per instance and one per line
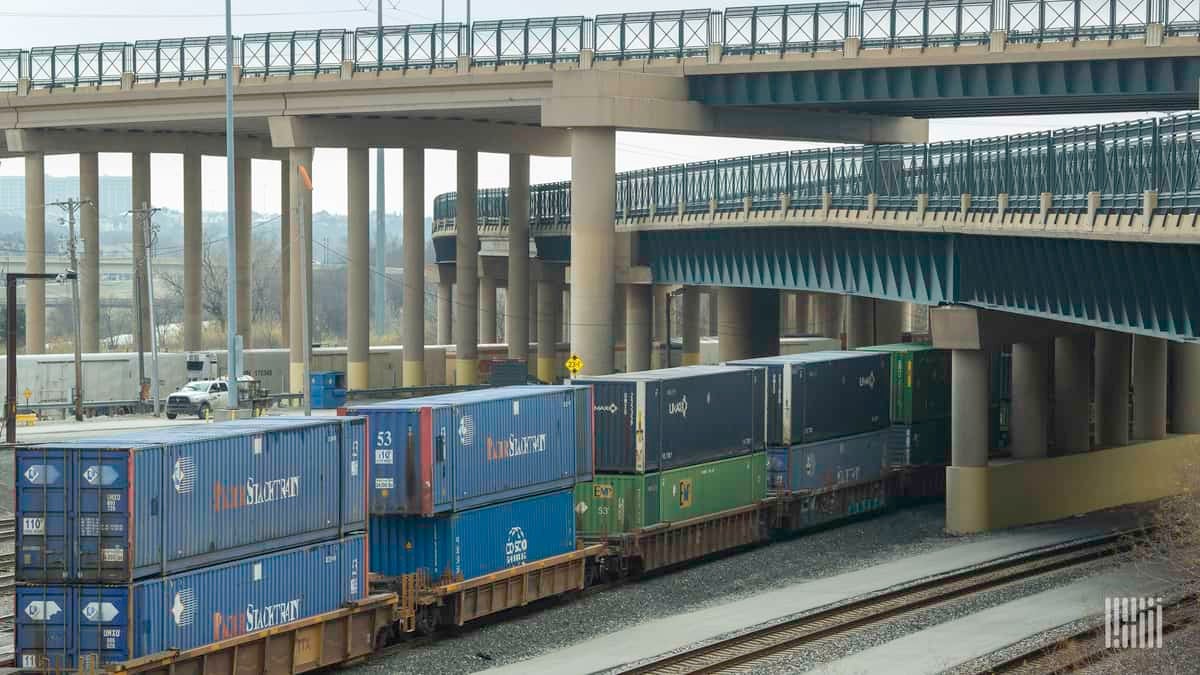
(1149, 388)
(593, 193)
(35, 253)
(531, 309)
(803, 314)
(1072, 393)
(487, 309)
(967, 498)
(830, 311)
(889, 322)
(658, 333)
(89, 252)
(412, 241)
(300, 236)
(285, 248)
(193, 249)
(445, 312)
(1112, 388)
(638, 320)
(690, 316)
(712, 313)
(733, 331)
(516, 305)
(860, 322)
(787, 313)
(243, 212)
(564, 315)
(764, 328)
(466, 286)
(140, 181)
(1030, 399)
(549, 298)
(358, 267)
(1185, 388)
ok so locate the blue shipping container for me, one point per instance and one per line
(157, 502)
(827, 463)
(73, 627)
(472, 543)
(819, 395)
(441, 454)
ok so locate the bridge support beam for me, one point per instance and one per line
(639, 307)
(412, 241)
(658, 333)
(1030, 398)
(285, 243)
(140, 185)
(787, 313)
(733, 336)
(358, 267)
(445, 306)
(550, 297)
(593, 246)
(828, 309)
(967, 501)
(35, 252)
(1185, 394)
(516, 304)
(243, 215)
(193, 244)
(1112, 388)
(487, 309)
(300, 236)
(690, 320)
(802, 303)
(711, 296)
(89, 262)
(466, 261)
(1072, 393)
(860, 329)
(1149, 388)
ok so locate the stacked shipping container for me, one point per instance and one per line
(471, 483)
(920, 404)
(118, 535)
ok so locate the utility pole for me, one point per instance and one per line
(380, 225)
(10, 397)
(72, 207)
(233, 344)
(146, 215)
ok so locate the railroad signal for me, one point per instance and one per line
(574, 365)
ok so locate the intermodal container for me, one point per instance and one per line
(662, 419)
(441, 454)
(163, 501)
(619, 503)
(820, 395)
(920, 381)
(472, 543)
(83, 627)
(924, 442)
(827, 463)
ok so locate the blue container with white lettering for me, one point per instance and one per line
(475, 542)
(442, 454)
(83, 627)
(828, 463)
(154, 503)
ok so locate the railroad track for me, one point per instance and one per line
(756, 645)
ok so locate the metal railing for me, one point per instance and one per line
(1120, 161)
(782, 28)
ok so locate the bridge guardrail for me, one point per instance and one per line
(760, 29)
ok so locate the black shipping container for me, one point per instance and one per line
(664, 419)
(820, 395)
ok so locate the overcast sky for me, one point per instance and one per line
(35, 23)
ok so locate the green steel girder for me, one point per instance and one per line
(1100, 85)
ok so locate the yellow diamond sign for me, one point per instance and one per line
(574, 365)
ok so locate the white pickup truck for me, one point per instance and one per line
(202, 397)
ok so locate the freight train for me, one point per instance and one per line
(476, 503)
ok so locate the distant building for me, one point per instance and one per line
(115, 193)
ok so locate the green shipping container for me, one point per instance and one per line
(920, 381)
(617, 503)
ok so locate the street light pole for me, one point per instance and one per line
(380, 225)
(231, 327)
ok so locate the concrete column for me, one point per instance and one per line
(193, 247)
(803, 314)
(593, 193)
(1112, 388)
(285, 248)
(1149, 388)
(89, 252)
(712, 313)
(1072, 393)
(564, 315)
(445, 312)
(466, 286)
(1030, 399)
(969, 407)
(764, 327)
(549, 298)
(690, 318)
(412, 241)
(531, 309)
(242, 209)
(141, 199)
(787, 313)
(889, 322)
(733, 330)
(35, 253)
(300, 236)
(516, 305)
(860, 322)
(1185, 388)
(487, 310)
(358, 267)
(638, 308)
(830, 310)
(658, 332)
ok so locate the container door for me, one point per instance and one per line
(778, 404)
(101, 483)
(43, 515)
(614, 408)
(102, 617)
(450, 430)
(585, 448)
(763, 405)
(44, 631)
(394, 450)
(353, 482)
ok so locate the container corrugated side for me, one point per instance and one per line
(75, 627)
(920, 388)
(448, 453)
(828, 463)
(474, 542)
(924, 442)
(153, 503)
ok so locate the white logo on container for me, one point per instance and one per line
(100, 612)
(42, 610)
(103, 475)
(679, 407)
(516, 549)
(466, 430)
(184, 475)
(183, 609)
(611, 408)
(41, 474)
(867, 381)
